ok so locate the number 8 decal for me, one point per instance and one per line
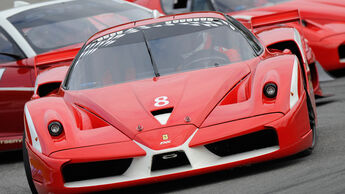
(161, 101)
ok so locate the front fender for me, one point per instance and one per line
(278, 70)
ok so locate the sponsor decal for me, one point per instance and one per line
(11, 141)
(165, 142)
(165, 138)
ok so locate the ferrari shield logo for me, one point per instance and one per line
(165, 137)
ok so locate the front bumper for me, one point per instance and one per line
(293, 134)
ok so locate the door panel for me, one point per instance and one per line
(16, 88)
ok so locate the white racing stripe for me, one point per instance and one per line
(34, 138)
(17, 89)
(300, 45)
(1, 72)
(294, 85)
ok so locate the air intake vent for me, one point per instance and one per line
(162, 115)
(47, 89)
(92, 170)
(253, 141)
(169, 160)
(342, 53)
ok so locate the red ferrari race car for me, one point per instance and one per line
(169, 97)
(38, 36)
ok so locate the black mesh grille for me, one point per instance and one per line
(91, 170)
(169, 160)
(341, 51)
(245, 143)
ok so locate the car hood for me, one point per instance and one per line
(130, 107)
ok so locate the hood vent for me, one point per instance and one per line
(162, 115)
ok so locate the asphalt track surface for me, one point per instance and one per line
(322, 172)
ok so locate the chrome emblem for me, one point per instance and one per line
(169, 156)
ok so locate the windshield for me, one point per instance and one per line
(59, 25)
(157, 50)
(236, 5)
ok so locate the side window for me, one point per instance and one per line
(252, 40)
(176, 6)
(9, 51)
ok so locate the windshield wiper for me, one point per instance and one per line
(154, 65)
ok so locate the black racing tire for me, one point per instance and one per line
(27, 168)
(312, 123)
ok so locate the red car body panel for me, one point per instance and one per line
(17, 75)
(324, 25)
(108, 118)
(21, 76)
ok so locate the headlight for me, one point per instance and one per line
(270, 90)
(55, 128)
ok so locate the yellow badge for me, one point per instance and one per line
(165, 137)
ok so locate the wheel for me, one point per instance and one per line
(312, 123)
(27, 167)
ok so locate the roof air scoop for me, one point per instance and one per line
(162, 115)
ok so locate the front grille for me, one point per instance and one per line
(91, 170)
(253, 141)
(169, 160)
(342, 52)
